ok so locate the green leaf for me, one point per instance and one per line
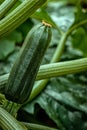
(15, 36)
(80, 15)
(25, 27)
(5, 66)
(63, 100)
(6, 48)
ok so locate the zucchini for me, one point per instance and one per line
(24, 70)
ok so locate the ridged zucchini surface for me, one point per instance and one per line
(25, 68)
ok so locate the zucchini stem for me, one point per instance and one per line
(62, 68)
(51, 70)
(19, 15)
(31, 126)
(5, 6)
(8, 122)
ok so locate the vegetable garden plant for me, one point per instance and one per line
(43, 63)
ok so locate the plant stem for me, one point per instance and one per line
(19, 15)
(37, 89)
(52, 70)
(76, 26)
(5, 6)
(37, 127)
(62, 68)
(59, 49)
(8, 122)
(11, 107)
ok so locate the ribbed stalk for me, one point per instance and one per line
(5, 6)
(62, 68)
(11, 107)
(57, 69)
(19, 15)
(8, 122)
(37, 127)
(54, 69)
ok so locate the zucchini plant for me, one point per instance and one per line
(25, 68)
(17, 88)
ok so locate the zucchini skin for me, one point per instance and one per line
(24, 70)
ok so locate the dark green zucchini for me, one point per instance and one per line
(24, 71)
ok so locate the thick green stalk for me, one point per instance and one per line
(8, 122)
(62, 68)
(5, 6)
(76, 26)
(19, 15)
(38, 127)
(52, 70)
(11, 107)
(59, 50)
(57, 69)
